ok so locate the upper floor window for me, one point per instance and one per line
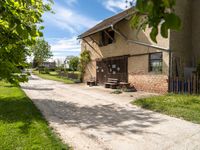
(107, 37)
(155, 62)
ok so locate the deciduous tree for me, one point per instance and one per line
(19, 28)
(73, 63)
(41, 51)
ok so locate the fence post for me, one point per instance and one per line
(197, 82)
(194, 84)
(182, 82)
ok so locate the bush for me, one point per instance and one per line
(46, 70)
(73, 63)
(43, 70)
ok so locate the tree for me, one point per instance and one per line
(19, 28)
(155, 13)
(73, 63)
(41, 51)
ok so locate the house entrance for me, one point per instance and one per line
(115, 67)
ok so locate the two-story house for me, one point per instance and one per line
(118, 51)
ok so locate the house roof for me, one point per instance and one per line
(107, 23)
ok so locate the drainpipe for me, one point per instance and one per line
(170, 71)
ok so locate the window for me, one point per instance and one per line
(107, 37)
(155, 62)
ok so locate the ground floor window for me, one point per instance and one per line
(155, 62)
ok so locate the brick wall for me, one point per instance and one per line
(143, 80)
(150, 83)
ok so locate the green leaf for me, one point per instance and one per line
(19, 20)
(135, 21)
(153, 13)
(164, 30)
(173, 21)
(140, 5)
(154, 33)
(41, 28)
(166, 3)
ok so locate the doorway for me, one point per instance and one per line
(114, 67)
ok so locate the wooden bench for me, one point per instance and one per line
(112, 83)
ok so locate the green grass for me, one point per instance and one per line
(53, 76)
(181, 106)
(22, 126)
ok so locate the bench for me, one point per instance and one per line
(112, 83)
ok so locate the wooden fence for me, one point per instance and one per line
(73, 76)
(186, 86)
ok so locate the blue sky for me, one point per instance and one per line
(73, 17)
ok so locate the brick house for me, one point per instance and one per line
(118, 51)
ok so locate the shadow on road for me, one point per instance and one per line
(36, 89)
(118, 120)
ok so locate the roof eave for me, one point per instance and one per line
(106, 27)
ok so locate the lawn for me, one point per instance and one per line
(181, 106)
(53, 76)
(21, 124)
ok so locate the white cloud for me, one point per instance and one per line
(71, 2)
(62, 47)
(65, 45)
(114, 5)
(69, 20)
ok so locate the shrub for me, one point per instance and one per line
(84, 60)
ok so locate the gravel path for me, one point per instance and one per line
(93, 119)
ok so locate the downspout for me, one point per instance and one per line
(170, 71)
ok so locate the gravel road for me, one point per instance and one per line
(93, 119)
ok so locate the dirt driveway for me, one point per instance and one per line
(93, 119)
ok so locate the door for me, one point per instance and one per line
(115, 67)
(101, 72)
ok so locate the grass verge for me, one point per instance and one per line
(21, 124)
(182, 106)
(53, 76)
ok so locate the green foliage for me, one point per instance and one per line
(156, 13)
(182, 106)
(84, 60)
(22, 126)
(54, 77)
(44, 70)
(19, 28)
(41, 51)
(73, 63)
